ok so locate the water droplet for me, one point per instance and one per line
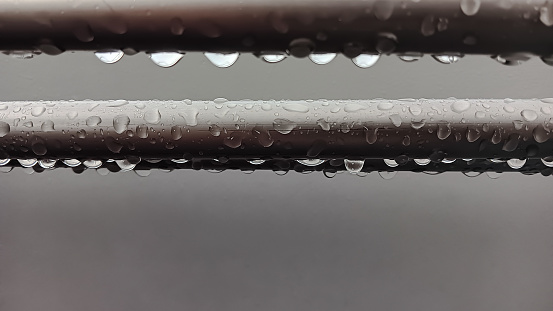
(71, 162)
(460, 106)
(190, 116)
(311, 162)
(546, 14)
(422, 162)
(295, 108)
(176, 132)
(273, 58)
(509, 109)
(547, 162)
(102, 171)
(39, 148)
(4, 161)
(177, 26)
(409, 58)
(93, 121)
(384, 106)
(415, 110)
(222, 60)
(511, 143)
(395, 119)
(323, 124)
(152, 116)
(92, 163)
(391, 163)
(371, 135)
(120, 123)
(37, 111)
(514, 59)
(301, 47)
(142, 131)
(125, 165)
(383, 9)
(283, 126)
(470, 7)
(387, 175)
(4, 128)
(165, 59)
(47, 163)
(22, 54)
(529, 115)
(71, 115)
(256, 162)
(365, 60)
(322, 59)
(27, 162)
(472, 135)
(541, 134)
(215, 130)
(480, 114)
(417, 124)
(496, 138)
(516, 163)
(354, 166)
(109, 57)
(446, 59)
(406, 141)
(444, 130)
(234, 140)
(354, 108)
(386, 42)
(113, 145)
(179, 161)
(428, 26)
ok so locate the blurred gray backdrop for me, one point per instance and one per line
(193, 240)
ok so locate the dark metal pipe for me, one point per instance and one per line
(351, 27)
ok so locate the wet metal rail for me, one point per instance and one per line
(513, 29)
(313, 129)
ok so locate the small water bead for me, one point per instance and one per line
(417, 124)
(386, 43)
(273, 58)
(256, 162)
(509, 109)
(410, 58)
(222, 60)
(529, 115)
(473, 135)
(480, 115)
(92, 163)
(387, 175)
(446, 59)
(71, 162)
(37, 111)
(415, 110)
(143, 173)
(93, 121)
(4, 161)
(460, 106)
(4, 129)
(448, 160)
(152, 116)
(301, 47)
(516, 163)
(384, 106)
(283, 126)
(322, 59)
(391, 163)
(470, 7)
(109, 57)
(354, 166)
(395, 119)
(294, 107)
(165, 59)
(47, 163)
(444, 130)
(422, 162)
(27, 162)
(472, 174)
(311, 162)
(179, 161)
(120, 123)
(366, 60)
(102, 171)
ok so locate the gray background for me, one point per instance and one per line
(200, 241)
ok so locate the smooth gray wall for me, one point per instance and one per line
(230, 241)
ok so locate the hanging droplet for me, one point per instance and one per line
(301, 47)
(409, 58)
(125, 165)
(365, 60)
(311, 162)
(273, 58)
(514, 59)
(493, 175)
(109, 57)
(222, 60)
(179, 161)
(165, 59)
(516, 163)
(71, 162)
(322, 59)
(391, 163)
(354, 166)
(446, 59)
(27, 162)
(546, 161)
(4, 161)
(256, 162)
(22, 54)
(92, 163)
(47, 163)
(422, 162)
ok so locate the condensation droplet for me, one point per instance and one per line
(165, 59)
(222, 60)
(411, 57)
(120, 123)
(152, 116)
(71, 162)
(395, 119)
(529, 115)
(322, 59)
(92, 163)
(93, 121)
(460, 106)
(446, 59)
(470, 7)
(109, 57)
(391, 163)
(444, 130)
(354, 166)
(294, 107)
(384, 106)
(301, 47)
(27, 162)
(422, 162)
(383, 9)
(516, 163)
(47, 163)
(4, 128)
(387, 175)
(176, 132)
(365, 60)
(283, 126)
(273, 58)
(311, 162)
(256, 162)
(37, 111)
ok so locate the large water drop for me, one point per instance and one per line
(365, 60)
(165, 59)
(109, 57)
(354, 166)
(322, 59)
(222, 60)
